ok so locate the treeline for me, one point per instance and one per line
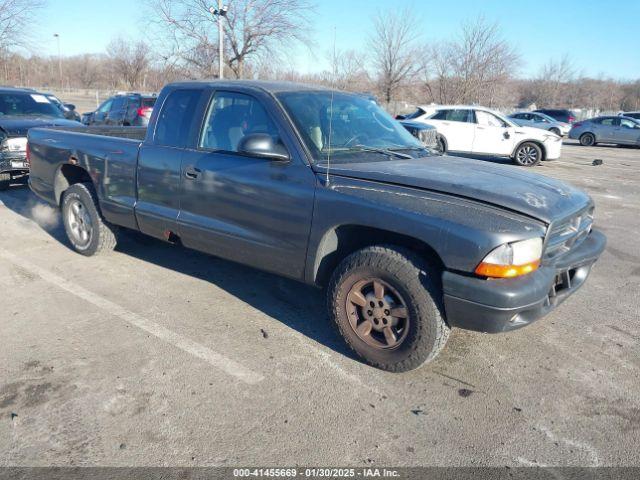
(477, 66)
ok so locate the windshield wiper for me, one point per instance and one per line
(383, 151)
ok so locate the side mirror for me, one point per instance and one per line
(263, 146)
(70, 106)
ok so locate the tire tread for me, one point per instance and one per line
(409, 266)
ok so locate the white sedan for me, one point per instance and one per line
(479, 130)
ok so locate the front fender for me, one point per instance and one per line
(460, 231)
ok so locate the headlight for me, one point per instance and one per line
(553, 137)
(512, 259)
(18, 144)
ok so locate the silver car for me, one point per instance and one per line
(540, 120)
(618, 130)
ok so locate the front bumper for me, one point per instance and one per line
(13, 162)
(553, 148)
(500, 305)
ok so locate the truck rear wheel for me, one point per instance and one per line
(387, 304)
(87, 231)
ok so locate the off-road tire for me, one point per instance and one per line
(588, 140)
(5, 181)
(520, 158)
(103, 236)
(420, 286)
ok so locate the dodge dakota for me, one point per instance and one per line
(325, 187)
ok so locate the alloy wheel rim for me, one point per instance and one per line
(527, 155)
(377, 313)
(80, 225)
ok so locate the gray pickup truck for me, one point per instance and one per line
(325, 187)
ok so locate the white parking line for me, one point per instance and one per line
(218, 361)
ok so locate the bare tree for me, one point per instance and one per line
(475, 68)
(348, 71)
(129, 62)
(550, 85)
(253, 29)
(394, 47)
(16, 22)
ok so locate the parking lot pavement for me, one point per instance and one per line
(155, 355)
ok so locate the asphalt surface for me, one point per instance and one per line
(155, 355)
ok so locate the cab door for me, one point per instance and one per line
(160, 161)
(493, 136)
(251, 210)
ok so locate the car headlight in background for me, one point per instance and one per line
(18, 144)
(512, 259)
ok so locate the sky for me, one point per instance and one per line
(600, 37)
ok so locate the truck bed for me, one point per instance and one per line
(108, 155)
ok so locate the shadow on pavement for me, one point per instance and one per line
(296, 305)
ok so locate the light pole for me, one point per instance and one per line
(57, 37)
(220, 12)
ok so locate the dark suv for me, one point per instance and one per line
(565, 116)
(130, 109)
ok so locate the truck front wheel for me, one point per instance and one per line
(87, 231)
(387, 304)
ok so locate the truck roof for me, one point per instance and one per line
(265, 85)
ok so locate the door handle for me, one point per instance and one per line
(192, 173)
(480, 128)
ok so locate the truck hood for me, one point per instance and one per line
(512, 188)
(19, 125)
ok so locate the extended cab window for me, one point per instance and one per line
(452, 115)
(231, 116)
(176, 116)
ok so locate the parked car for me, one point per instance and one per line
(427, 134)
(635, 115)
(540, 120)
(21, 109)
(128, 109)
(326, 188)
(610, 129)
(479, 130)
(67, 109)
(560, 115)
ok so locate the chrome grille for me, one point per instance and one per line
(567, 233)
(428, 137)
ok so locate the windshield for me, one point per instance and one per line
(357, 125)
(27, 104)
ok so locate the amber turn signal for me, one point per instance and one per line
(506, 271)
